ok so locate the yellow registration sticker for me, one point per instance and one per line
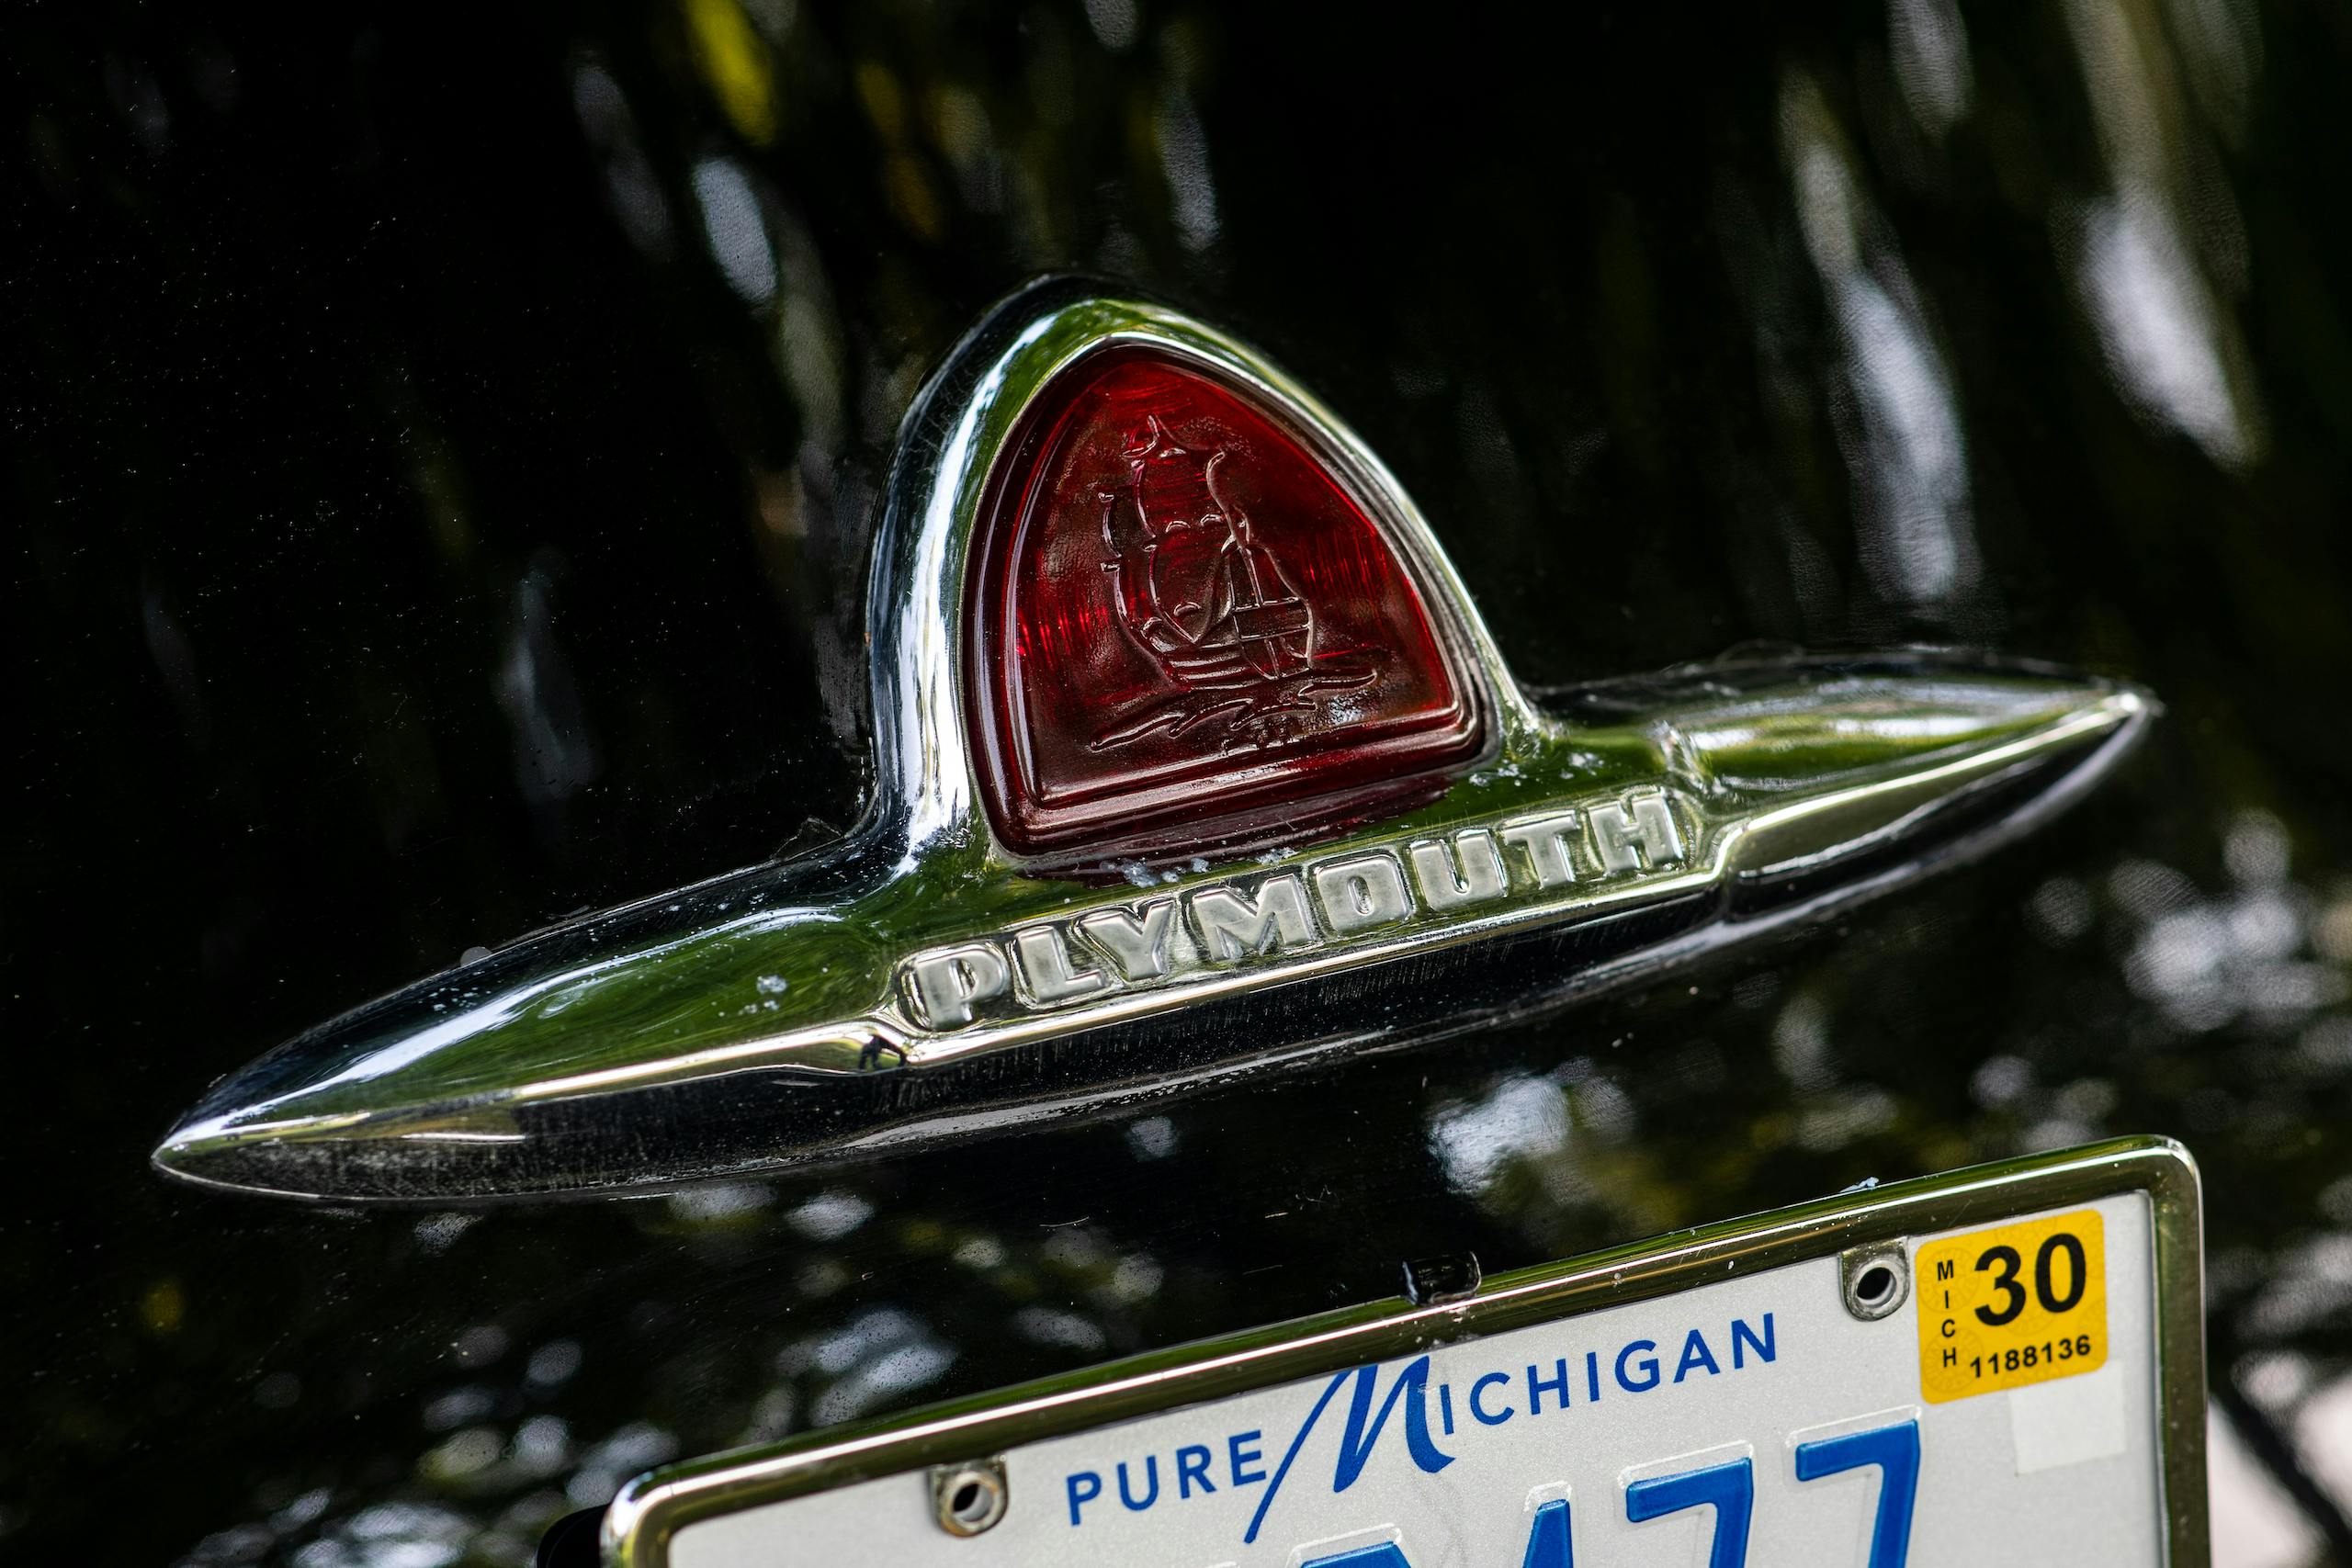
(2019, 1304)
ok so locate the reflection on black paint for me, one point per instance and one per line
(444, 483)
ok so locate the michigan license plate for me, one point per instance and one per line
(2001, 1365)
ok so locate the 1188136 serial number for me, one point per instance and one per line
(2028, 1358)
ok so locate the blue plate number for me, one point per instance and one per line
(1730, 1489)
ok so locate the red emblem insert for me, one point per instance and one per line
(1189, 627)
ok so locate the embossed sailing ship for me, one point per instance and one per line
(1210, 603)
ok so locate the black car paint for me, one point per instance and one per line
(430, 520)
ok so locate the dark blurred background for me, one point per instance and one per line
(441, 449)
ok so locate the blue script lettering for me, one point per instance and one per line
(1362, 1431)
(1363, 1418)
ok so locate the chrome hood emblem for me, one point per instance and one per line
(1193, 757)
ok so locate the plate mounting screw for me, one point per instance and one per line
(1875, 1279)
(969, 1497)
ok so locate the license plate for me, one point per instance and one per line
(2000, 1365)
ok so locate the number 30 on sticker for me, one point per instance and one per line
(2019, 1304)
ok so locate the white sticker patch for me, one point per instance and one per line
(2069, 1422)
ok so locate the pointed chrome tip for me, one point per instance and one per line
(2021, 751)
(248, 1149)
(257, 1158)
(318, 1117)
(352, 1159)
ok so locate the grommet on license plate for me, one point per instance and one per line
(1875, 1280)
(1731, 1383)
(970, 1497)
(1191, 752)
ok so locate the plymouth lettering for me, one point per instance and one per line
(1357, 897)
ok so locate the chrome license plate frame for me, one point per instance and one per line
(644, 1521)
